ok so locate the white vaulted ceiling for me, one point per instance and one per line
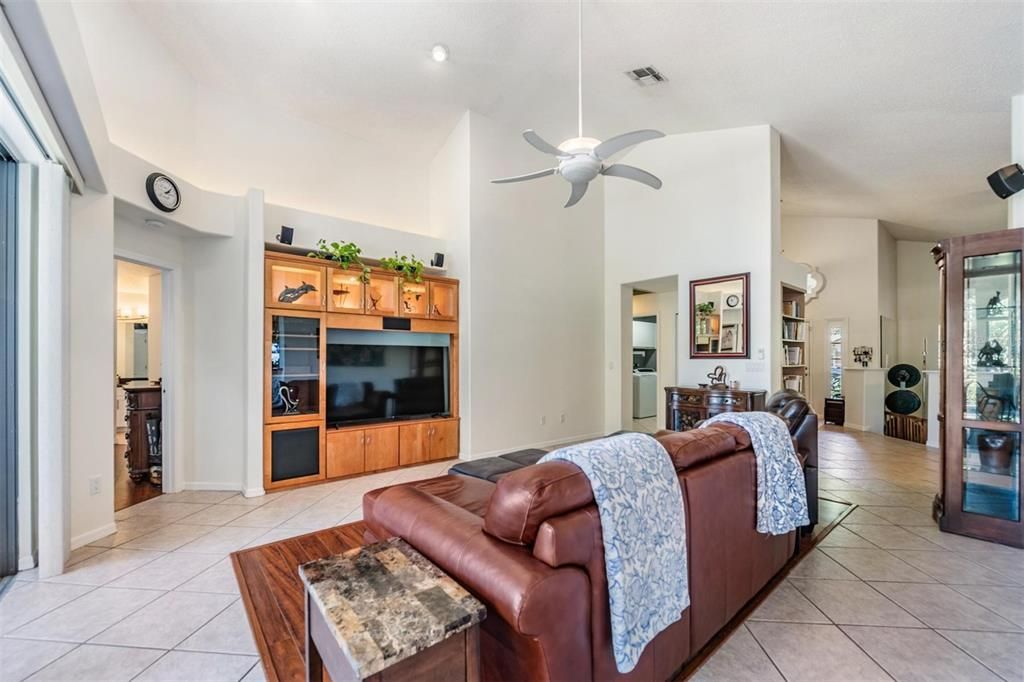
(895, 111)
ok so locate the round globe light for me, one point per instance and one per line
(439, 52)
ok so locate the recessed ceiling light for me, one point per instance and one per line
(153, 222)
(439, 52)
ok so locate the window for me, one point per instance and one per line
(835, 359)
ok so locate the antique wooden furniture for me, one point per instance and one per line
(720, 317)
(365, 618)
(980, 399)
(685, 406)
(794, 339)
(305, 298)
(143, 451)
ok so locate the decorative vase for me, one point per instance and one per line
(995, 451)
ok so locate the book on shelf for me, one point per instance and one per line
(794, 355)
(794, 330)
(791, 308)
(793, 383)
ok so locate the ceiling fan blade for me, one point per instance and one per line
(621, 170)
(528, 176)
(578, 190)
(619, 142)
(539, 143)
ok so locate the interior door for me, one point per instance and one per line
(8, 372)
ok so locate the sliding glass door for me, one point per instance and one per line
(8, 371)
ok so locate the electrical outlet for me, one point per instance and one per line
(94, 485)
(543, 420)
(561, 419)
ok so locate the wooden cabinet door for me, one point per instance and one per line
(381, 448)
(414, 299)
(444, 301)
(345, 291)
(294, 285)
(444, 440)
(382, 295)
(344, 453)
(413, 445)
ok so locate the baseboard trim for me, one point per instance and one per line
(254, 492)
(213, 485)
(542, 444)
(26, 563)
(94, 534)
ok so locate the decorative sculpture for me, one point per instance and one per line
(994, 304)
(717, 376)
(292, 294)
(862, 354)
(291, 403)
(991, 355)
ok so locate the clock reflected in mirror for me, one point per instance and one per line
(163, 192)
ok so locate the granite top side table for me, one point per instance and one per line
(383, 612)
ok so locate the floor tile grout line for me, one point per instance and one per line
(761, 647)
(93, 588)
(968, 653)
(980, 605)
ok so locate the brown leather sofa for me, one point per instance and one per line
(794, 409)
(529, 547)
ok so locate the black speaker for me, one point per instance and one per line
(286, 235)
(1007, 181)
(437, 261)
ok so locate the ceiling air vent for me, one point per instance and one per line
(646, 75)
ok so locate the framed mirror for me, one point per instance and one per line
(720, 317)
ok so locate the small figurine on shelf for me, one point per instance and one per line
(717, 376)
(375, 298)
(292, 294)
(291, 403)
(995, 304)
(991, 355)
(862, 354)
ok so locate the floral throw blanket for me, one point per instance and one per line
(643, 527)
(781, 492)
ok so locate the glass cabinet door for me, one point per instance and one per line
(414, 299)
(345, 294)
(382, 295)
(294, 384)
(991, 385)
(444, 301)
(294, 285)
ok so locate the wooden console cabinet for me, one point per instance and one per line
(304, 299)
(144, 428)
(686, 406)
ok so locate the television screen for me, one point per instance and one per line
(369, 381)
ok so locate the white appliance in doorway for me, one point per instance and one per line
(645, 393)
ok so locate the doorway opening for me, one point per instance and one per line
(653, 315)
(138, 363)
(8, 372)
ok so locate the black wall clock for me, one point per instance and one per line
(732, 300)
(163, 192)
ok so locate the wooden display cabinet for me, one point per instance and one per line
(346, 291)
(356, 451)
(444, 301)
(294, 350)
(294, 284)
(980, 400)
(415, 299)
(428, 441)
(293, 454)
(382, 295)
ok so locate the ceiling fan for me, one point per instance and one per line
(581, 159)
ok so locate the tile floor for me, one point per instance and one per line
(885, 596)
(157, 600)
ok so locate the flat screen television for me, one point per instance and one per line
(384, 376)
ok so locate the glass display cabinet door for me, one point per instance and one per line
(382, 295)
(294, 285)
(414, 299)
(991, 385)
(294, 347)
(444, 301)
(346, 291)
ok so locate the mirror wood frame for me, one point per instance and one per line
(694, 283)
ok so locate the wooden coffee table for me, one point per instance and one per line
(384, 612)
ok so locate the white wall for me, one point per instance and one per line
(91, 343)
(918, 302)
(845, 250)
(155, 325)
(714, 216)
(887, 298)
(158, 110)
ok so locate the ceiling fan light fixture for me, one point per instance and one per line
(579, 144)
(439, 53)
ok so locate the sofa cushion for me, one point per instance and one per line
(688, 448)
(471, 494)
(525, 457)
(524, 499)
(488, 468)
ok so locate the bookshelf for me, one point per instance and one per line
(794, 339)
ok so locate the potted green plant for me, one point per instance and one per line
(345, 254)
(409, 268)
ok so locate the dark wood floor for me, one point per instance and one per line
(274, 596)
(126, 491)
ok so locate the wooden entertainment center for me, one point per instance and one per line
(304, 299)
